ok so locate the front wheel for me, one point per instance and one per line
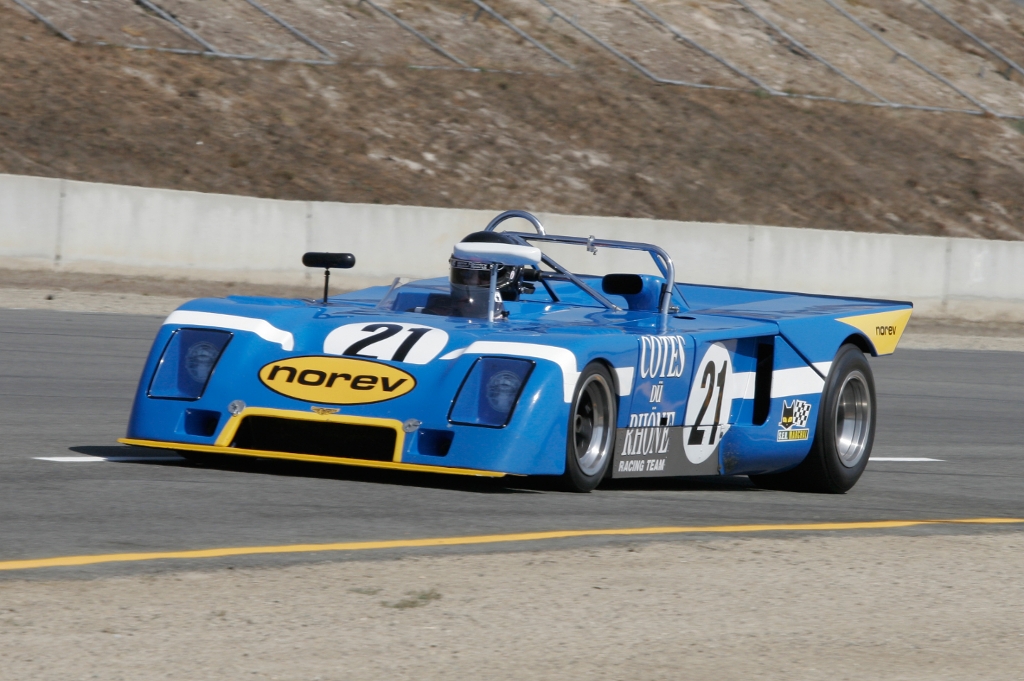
(591, 437)
(845, 431)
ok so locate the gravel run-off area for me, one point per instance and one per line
(814, 607)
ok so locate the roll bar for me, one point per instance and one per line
(529, 217)
(661, 258)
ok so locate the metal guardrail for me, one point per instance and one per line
(902, 53)
(173, 50)
(221, 55)
(291, 29)
(44, 21)
(211, 51)
(207, 51)
(430, 43)
(882, 103)
(632, 62)
(520, 32)
(166, 16)
(806, 50)
(700, 48)
(993, 51)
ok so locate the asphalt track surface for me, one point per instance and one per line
(67, 380)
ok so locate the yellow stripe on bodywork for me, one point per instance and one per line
(883, 329)
(68, 561)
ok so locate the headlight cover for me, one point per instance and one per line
(489, 394)
(187, 363)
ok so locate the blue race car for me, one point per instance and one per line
(513, 365)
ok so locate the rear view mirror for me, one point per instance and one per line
(329, 261)
(622, 284)
(339, 261)
(501, 254)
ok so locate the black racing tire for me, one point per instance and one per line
(590, 442)
(844, 435)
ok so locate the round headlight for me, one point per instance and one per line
(199, 360)
(502, 389)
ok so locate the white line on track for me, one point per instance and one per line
(116, 459)
(902, 458)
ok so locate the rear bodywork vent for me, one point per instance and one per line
(763, 381)
(322, 438)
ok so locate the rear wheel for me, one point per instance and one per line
(591, 437)
(844, 434)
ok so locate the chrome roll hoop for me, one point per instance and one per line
(529, 217)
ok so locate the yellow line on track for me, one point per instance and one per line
(68, 561)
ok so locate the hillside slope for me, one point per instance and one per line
(600, 139)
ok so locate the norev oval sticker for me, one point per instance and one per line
(336, 380)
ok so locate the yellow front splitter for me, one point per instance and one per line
(312, 458)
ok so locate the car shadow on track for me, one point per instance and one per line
(243, 464)
(730, 483)
(507, 485)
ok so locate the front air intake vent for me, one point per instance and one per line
(292, 436)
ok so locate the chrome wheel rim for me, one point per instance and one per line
(592, 427)
(853, 419)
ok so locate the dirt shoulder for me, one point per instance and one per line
(57, 282)
(954, 334)
(82, 292)
(597, 140)
(834, 607)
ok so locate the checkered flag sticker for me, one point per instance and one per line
(795, 415)
(801, 412)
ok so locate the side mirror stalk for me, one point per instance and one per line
(327, 261)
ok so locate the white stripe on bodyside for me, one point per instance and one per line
(565, 359)
(787, 382)
(260, 327)
(744, 385)
(625, 376)
(798, 381)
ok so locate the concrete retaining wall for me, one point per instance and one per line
(87, 227)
